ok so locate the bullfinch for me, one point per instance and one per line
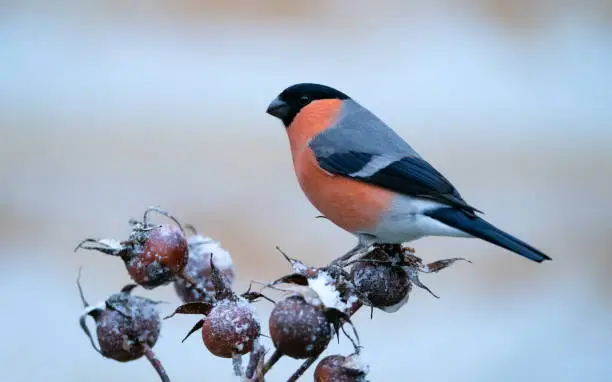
(365, 178)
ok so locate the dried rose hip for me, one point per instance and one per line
(230, 329)
(323, 299)
(198, 269)
(299, 329)
(383, 284)
(153, 254)
(384, 277)
(338, 368)
(125, 325)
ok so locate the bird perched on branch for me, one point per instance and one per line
(365, 178)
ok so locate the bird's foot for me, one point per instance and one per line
(344, 260)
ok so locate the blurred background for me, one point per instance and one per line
(107, 107)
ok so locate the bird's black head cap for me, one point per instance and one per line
(289, 103)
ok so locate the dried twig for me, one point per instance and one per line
(272, 361)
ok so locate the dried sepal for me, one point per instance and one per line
(414, 265)
(203, 308)
(128, 288)
(110, 247)
(159, 210)
(296, 265)
(193, 230)
(413, 276)
(220, 283)
(122, 302)
(89, 311)
(252, 296)
(198, 325)
(294, 278)
(80, 289)
(83, 324)
(437, 266)
(337, 319)
(116, 306)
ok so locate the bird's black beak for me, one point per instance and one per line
(278, 108)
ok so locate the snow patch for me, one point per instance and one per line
(355, 362)
(325, 286)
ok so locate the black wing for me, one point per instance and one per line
(409, 175)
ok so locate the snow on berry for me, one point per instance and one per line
(339, 368)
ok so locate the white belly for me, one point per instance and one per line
(405, 222)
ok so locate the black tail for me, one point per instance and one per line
(481, 229)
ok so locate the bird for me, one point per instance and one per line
(360, 174)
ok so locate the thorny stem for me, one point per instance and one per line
(302, 369)
(272, 361)
(310, 361)
(156, 363)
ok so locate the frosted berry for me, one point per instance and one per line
(198, 269)
(382, 283)
(125, 325)
(153, 254)
(299, 329)
(157, 256)
(230, 329)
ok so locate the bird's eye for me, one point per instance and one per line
(304, 100)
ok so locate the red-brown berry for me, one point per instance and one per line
(157, 255)
(338, 368)
(230, 329)
(198, 269)
(384, 285)
(299, 329)
(153, 254)
(125, 325)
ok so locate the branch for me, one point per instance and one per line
(156, 363)
(302, 369)
(272, 361)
